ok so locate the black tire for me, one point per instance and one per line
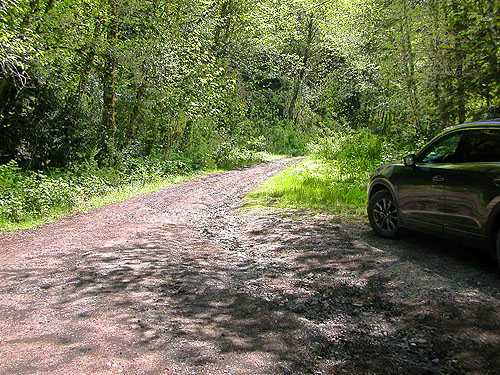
(497, 247)
(383, 214)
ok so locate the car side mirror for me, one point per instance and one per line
(409, 160)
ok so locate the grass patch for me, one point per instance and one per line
(123, 193)
(313, 184)
(336, 176)
(32, 222)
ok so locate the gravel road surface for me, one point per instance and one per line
(181, 281)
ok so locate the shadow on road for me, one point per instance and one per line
(188, 301)
(302, 294)
(418, 305)
(470, 267)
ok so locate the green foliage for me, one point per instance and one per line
(229, 156)
(125, 92)
(335, 179)
(100, 75)
(289, 141)
(353, 156)
(27, 195)
(312, 184)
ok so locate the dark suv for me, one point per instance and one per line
(451, 188)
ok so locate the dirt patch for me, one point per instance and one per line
(177, 282)
(412, 306)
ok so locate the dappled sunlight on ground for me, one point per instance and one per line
(178, 282)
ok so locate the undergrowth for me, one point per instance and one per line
(333, 179)
(29, 198)
(311, 184)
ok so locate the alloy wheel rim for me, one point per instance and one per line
(385, 215)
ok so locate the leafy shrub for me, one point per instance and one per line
(257, 144)
(230, 156)
(352, 157)
(288, 141)
(28, 194)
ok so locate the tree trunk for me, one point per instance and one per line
(409, 65)
(88, 61)
(306, 54)
(458, 25)
(48, 7)
(460, 93)
(139, 93)
(33, 7)
(222, 29)
(7, 93)
(108, 121)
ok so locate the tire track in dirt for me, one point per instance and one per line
(178, 282)
(144, 286)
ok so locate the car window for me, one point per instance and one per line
(446, 150)
(483, 146)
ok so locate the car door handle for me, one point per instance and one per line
(437, 179)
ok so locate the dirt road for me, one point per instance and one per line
(178, 282)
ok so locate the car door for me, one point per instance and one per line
(472, 184)
(420, 189)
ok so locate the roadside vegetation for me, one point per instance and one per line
(30, 198)
(96, 96)
(334, 178)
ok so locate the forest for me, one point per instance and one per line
(97, 94)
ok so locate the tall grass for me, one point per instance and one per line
(313, 184)
(333, 179)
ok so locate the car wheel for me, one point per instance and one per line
(383, 215)
(497, 247)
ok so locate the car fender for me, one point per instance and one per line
(380, 180)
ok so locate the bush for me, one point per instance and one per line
(352, 157)
(30, 195)
(335, 179)
(285, 140)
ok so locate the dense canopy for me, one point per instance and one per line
(87, 79)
